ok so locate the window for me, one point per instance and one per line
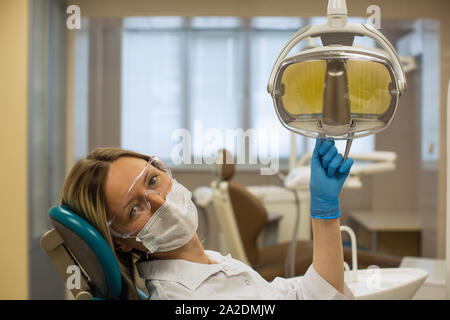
(152, 84)
(204, 73)
(267, 38)
(215, 76)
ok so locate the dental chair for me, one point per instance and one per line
(242, 218)
(74, 242)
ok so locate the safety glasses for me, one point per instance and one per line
(135, 208)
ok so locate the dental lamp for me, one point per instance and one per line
(337, 91)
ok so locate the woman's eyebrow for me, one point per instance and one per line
(146, 177)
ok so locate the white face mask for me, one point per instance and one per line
(173, 224)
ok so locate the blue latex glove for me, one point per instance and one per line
(327, 179)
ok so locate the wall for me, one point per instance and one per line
(13, 143)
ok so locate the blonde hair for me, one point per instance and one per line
(83, 193)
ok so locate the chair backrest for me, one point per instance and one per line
(87, 249)
(241, 215)
(251, 218)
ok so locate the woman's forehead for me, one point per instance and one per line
(126, 169)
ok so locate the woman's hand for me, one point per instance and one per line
(327, 179)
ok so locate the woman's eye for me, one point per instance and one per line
(152, 181)
(133, 212)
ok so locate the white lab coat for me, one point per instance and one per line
(229, 279)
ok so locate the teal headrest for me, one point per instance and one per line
(86, 241)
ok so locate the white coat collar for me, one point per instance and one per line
(189, 274)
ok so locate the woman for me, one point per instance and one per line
(132, 200)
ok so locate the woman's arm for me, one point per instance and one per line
(328, 174)
(328, 257)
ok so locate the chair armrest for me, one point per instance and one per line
(274, 217)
